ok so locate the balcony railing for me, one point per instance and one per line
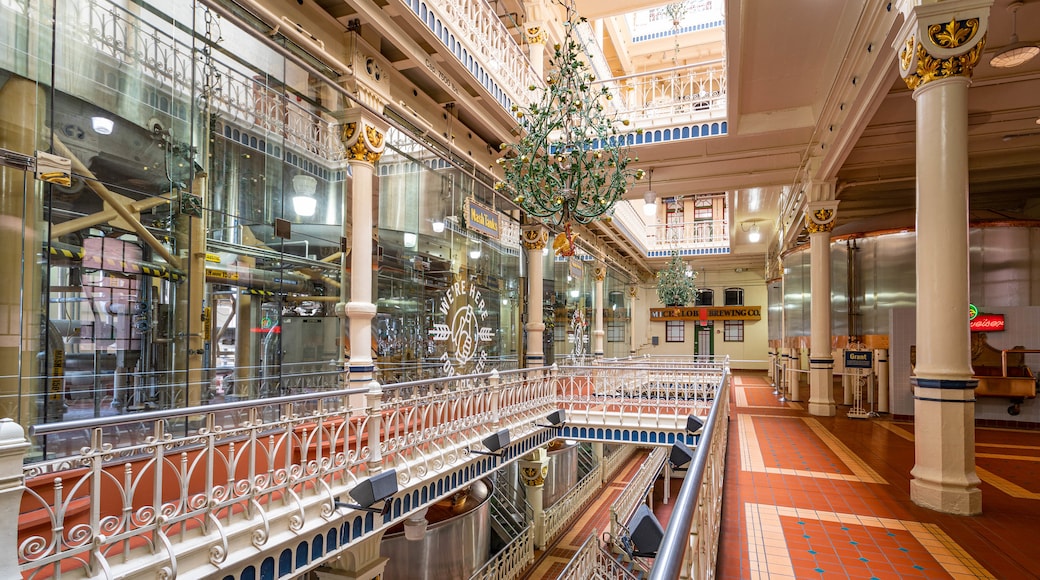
(145, 488)
(698, 234)
(674, 96)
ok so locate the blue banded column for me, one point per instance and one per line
(535, 238)
(819, 221)
(938, 47)
(598, 273)
(363, 139)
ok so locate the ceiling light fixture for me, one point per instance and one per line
(102, 125)
(650, 197)
(304, 202)
(754, 234)
(1016, 52)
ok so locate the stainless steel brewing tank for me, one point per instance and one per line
(563, 471)
(456, 544)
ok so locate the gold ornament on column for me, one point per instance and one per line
(819, 220)
(535, 238)
(941, 50)
(536, 35)
(365, 145)
(534, 476)
(599, 273)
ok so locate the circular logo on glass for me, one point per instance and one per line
(464, 311)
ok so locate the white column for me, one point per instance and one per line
(599, 273)
(13, 448)
(536, 38)
(819, 221)
(535, 238)
(363, 139)
(939, 46)
(633, 291)
(533, 469)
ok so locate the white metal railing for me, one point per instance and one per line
(510, 562)
(477, 27)
(615, 460)
(699, 234)
(674, 96)
(241, 473)
(592, 562)
(572, 503)
(636, 491)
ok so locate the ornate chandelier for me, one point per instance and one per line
(675, 284)
(571, 163)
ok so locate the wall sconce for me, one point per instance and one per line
(650, 197)
(494, 442)
(102, 125)
(304, 202)
(381, 487)
(754, 235)
(410, 239)
(437, 225)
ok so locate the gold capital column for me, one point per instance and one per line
(363, 138)
(598, 273)
(819, 221)
(533, 468)
(534, 239)
(937, 48)
(536, 38)
(633, 291)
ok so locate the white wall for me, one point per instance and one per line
(750, 354)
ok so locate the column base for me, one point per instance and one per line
(957, 500)
(820, 409)
(821, 387)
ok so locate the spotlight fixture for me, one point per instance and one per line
(102, 125)
(380, 487)
(494, 442)
(680, 455)
(650, 197)
(1015, 53)
(694, 424)
(304, 202)
(645, 534)
(556, 419)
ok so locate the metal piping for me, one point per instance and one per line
(672, 552)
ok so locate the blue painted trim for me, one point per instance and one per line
(944, 400)
(673, 31)
(959, 385)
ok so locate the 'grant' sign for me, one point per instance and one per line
(714, 313)
(859, 359)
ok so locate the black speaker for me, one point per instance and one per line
(646, 531)
(497, 441)
(693, 423)
(680, 454)
(557, 417)
(376, 488)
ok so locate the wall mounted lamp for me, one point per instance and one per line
(381, 487)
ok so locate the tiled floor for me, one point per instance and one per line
(828, 497)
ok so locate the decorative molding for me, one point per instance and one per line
(534, 238)
(820, 216)
(942, 41)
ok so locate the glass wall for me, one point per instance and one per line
(200, 248)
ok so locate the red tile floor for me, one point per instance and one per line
(828, 497)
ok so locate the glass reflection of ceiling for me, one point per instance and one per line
(654, 23)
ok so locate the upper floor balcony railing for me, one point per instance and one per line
(674, 96)
(658, 239)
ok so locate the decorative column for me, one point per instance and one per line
(598, 273)
(13, 448)
(633, 291)
(362, 135)
(359, 562)
(819, 221)
(535, 238)
(536, 38)
(938, 47)
(533, 469)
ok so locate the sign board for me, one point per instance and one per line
(574, 269)
(859, 359)
(482, 219)
(987, 323)
(705, 313)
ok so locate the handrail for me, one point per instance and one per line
(668, 563)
